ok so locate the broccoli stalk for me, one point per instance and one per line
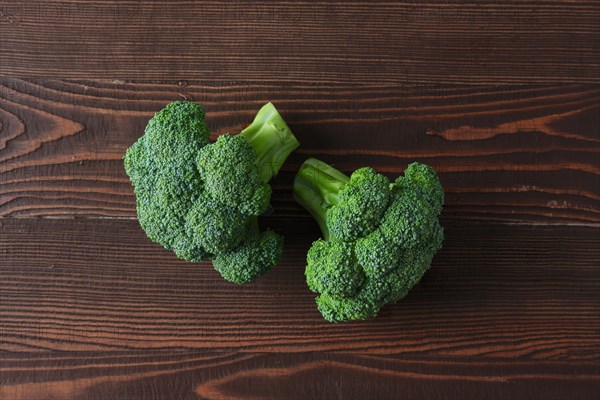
(271, 139)
(316, 188)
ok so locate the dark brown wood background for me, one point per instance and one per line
(501, 97)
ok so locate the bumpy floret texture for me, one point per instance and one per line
(362, 202)
(162, 168)
(332, 269)
(231, 174)
(255, 256)
(359, 270)
(213, 226)
(201, 207)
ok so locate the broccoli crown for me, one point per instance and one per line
(258, 254)
(214, 226)
(231, 175)
(362, 202)
(332, 270)
(380, 238)
(236, 169)
(201, 199)
(161, 166)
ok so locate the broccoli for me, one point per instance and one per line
(378, 238)
(202, 200)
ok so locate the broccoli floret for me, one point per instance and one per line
(236, 169)
(214, 226)
(200, 199)
(161, 166)
(332, 270)
(352, 206)
(230, 172)
(362, 202)
(258, 254)
(379, 238)
(375, 254)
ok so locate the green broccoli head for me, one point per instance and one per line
(364, 304)
(214, 226)
(256, 255)
(187, 250)
(362, 201)
(236, 169)
(230, 171)
(379, 238)
(376, 254)
(161, 166)
(423, 179)
(199, 199)
(417, 201)
(332, 270)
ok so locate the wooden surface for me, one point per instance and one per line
(310, 41)
(502, 98)
(509, 153)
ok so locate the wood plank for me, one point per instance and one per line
(496, 291)
(504, 153)
(487, 41)
(188, 375)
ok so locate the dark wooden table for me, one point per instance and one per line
(502, 98)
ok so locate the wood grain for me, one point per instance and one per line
(501, 98)
(210, 375)
(504, 153)
(493, 291)
(317, 41)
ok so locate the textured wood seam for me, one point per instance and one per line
(507, 154)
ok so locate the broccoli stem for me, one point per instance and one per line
(316, 188)
(272, 140)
